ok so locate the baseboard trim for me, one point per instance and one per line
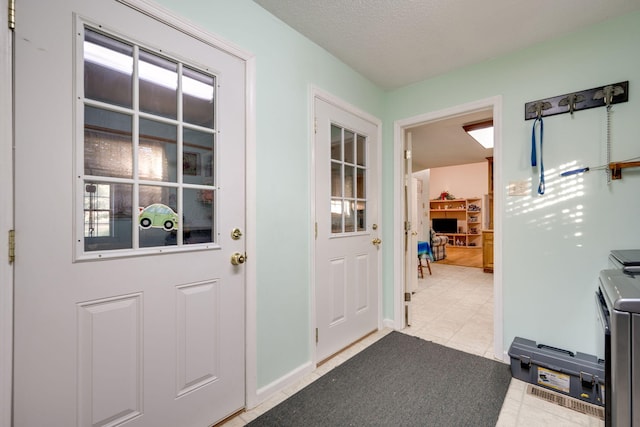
(265, 393)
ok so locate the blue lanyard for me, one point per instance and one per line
(533, 152)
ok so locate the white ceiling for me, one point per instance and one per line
(398, 42)
(445, 143)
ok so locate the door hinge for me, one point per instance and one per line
(316, 335)
(316, 231)
(315, 125)
(12, 15)
(407, 226)
(12, 246)
(407, 296)
(407, 154)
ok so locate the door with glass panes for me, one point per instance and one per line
(129, 151)
(347, 242)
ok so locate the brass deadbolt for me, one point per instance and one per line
(236, 233)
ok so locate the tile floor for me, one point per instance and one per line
(452, 307)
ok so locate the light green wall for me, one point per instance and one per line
(549, 273)
(553, 245)
(286, 64)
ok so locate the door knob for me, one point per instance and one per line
(376, 241)
(237, 258)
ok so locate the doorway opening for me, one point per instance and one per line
(404, 270)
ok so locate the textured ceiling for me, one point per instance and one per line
(399, 42)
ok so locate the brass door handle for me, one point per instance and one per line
(237, 258)
(376, 241)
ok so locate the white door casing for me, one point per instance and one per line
(148, 338)
(6, 218)
(400, 126)
(346, 261)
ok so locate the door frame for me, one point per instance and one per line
(6, 218)
(399, 128)
(179, 23)
(316, 92)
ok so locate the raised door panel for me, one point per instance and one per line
(110, 360)
(337, 291)
(198, 334)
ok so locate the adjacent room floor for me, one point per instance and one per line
(453, 307)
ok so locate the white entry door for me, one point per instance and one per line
(347, 228)
(129, 163)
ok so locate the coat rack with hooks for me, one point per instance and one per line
(581, 100)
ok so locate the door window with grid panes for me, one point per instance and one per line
(148, 150)
(348, 181)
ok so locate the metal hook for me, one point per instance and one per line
(536, 109)
(607, 92)
(571, 100)
(540, 107)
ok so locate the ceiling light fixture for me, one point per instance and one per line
(482, 132)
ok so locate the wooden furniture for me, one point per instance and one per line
(468, 214)
(490, 187)
(421, 266)
(487, 251)
(474, 222)
(487, 235)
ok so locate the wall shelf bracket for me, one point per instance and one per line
(616, 168)
(582, 100)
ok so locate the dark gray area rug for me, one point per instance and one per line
(400, 380)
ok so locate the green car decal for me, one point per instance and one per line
(158, 215)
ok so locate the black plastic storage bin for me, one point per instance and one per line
(578, 375)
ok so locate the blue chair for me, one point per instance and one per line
(424, 252)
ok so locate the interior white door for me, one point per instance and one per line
(347, 229)
(413, 245)
(410, 235)
(128, 310)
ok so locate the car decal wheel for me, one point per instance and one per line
(145, 223)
